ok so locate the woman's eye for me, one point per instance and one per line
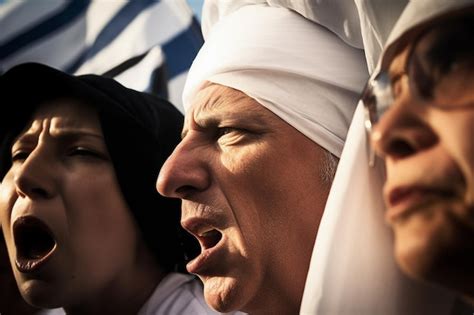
(81, 151)
(20, 156)
(397, 86)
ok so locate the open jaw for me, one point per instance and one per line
(34, 242)
(209, 239)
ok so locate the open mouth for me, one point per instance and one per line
(212, 242)
(209, 239)
(34, 242)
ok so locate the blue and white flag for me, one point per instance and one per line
(147, 45)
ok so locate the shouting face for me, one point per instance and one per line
(253, 196)
(70, 235)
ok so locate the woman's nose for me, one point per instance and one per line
(34, 178)
(402, 132)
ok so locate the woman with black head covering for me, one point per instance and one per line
(84, 227)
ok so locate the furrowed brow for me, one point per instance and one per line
(66, 134)
(226, 108)
(25, 139)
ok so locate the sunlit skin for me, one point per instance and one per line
(242, 171)
(429, 193)
(62, 174)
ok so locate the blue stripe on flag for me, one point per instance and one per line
(182, 49)
(113, 28)
(118, 23)
(75, 64)
(52, 24)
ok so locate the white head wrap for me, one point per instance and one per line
(295, 68)
(414, 18)
(352, 268)
(357, 22)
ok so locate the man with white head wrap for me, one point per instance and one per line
(285, 63)
(268, 101)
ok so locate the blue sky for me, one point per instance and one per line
(196, 5)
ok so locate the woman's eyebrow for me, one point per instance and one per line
(76, 133)
(31, 138)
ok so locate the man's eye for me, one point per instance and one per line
(20, 155)
(222, 131)
(230, 136)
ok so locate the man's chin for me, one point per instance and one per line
(224, 294)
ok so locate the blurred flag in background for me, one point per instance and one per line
(147, 45)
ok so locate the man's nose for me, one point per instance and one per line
(402, 132)
(34, 178)
(185, 172)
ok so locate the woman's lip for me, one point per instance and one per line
(403, 200)
(28, 265)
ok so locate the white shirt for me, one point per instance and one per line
(177, 294)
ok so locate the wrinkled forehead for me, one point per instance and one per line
(213, 95)
(62, 117)
(217, 102)
(65, 115)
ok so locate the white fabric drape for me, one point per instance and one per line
(352, 269)
(363, 24)
(414, 16)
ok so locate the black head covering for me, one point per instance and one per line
(140, 131)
